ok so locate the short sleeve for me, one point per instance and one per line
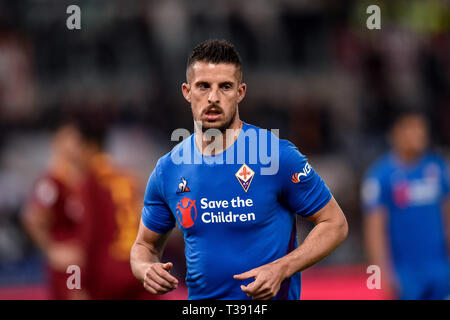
(303, 190)
(45, 193)
(445, 179)
(373, 193)
(156, 214)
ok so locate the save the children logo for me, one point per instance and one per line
(186, 212)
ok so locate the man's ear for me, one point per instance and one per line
(186, 90)
(241, 91)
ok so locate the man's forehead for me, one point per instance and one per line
(411, 120)
(208, 71)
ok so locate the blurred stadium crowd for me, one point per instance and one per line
(313, 70)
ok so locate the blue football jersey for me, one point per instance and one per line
(413, 196)
(233, 215)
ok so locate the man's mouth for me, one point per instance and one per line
(213, 114)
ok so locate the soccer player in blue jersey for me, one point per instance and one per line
(406, 199)
(236, 210)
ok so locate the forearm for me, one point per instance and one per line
(377, 249)
(376, 241)
(321, 241)
(38, 232)
(141, 257)
(447, 221)
(41, 239)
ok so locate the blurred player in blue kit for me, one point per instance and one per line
(239, 225)
(405, 197)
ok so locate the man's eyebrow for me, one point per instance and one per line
(198, 82)
(226, 82)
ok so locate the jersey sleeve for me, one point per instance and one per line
(445, 178)
(156, 214)
(303, 190)
(45, 193)
(373, 192)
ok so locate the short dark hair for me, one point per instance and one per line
(215, 51)
(91, 124)
(401, 113)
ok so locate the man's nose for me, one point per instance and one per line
(213, 96)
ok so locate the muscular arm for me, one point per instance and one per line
(329, 232)
(147, 249)
(145, 261)
(38, 222)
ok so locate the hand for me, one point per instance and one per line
(79, 295)
(267, 282)
(158, 280)
(389, 284)
(62, 255)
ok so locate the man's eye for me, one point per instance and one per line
(226, 87)
(203, 86)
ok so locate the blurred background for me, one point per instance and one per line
(313, 70)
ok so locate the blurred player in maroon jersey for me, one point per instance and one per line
(111, 201)
(54, 211)
(85, 211)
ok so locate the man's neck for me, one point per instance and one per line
(213, 145)
(65, 171)
(408, 157)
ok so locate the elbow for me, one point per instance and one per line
(133, 263)
(133, 253)
(28, 223)
(342, 229)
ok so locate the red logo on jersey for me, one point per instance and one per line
(401, 194)
(295, 178)
(245, 176)
(184, 208)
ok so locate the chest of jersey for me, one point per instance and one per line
(418, 187)
(221, 197)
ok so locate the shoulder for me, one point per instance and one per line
(48, 181)
(376, 181)
(288, 147)
(380, 167)
(47, 189)
(287, 150)
(166, 161)
(272, 135)
(247, 129)
(435, 157)
(436, 165)
(290, 152)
